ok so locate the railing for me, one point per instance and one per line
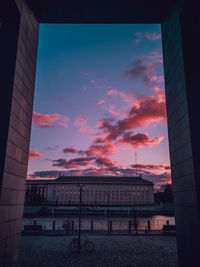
(132, 226)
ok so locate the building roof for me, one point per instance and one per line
(94, 179)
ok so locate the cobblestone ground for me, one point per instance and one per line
(110, 251)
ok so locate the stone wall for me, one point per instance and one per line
(181, 141)
(18, 126)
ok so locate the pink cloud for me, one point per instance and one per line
(158, 79)
(151, 166)
(157, 89)
(44, 120)
(139, 140)
(124, 96)
(115, 113)
(72, 150)
(73, 163)
(92, 81)
(153, 36)
(63, 124)
(84, 88)
(104, 161)
(81, 122)
(34, 154)
(101, 102)
(144, 67)
(146, 111)
(47, 120)
(97, 148)
(105, 167)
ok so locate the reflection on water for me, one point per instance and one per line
(101, 222)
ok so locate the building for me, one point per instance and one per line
(65, 190)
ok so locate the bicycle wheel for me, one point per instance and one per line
(89, 246)
(73, 246)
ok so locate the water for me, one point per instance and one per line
(101, 222)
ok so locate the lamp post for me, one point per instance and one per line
(80, 213)
(108, 210)
(135, 218)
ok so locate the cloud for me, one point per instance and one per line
(52, 174)
(151, 166)
(111, 109)
(72, 150)
(55, 147)
(34, 154)
(72, 163)
(146, 111)
(81, 122)
(126, 97)
(139, 139)
(144, 67)
(101, 102)
(164, 177)
(105, 166)
(152, 36)
(100, 149)
(64, 124)
(47, 120)
(104, 161)
(85, 88)
(157, 79)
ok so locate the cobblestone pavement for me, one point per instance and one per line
(110, 251)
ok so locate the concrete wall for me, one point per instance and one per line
(19, 92)
(181, 138)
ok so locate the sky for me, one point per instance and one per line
(99, 106)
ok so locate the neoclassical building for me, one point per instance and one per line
(96, 190)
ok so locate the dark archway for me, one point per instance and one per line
(18, 49)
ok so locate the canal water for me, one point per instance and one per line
(101, 222)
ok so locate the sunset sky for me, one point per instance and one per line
(99, 99)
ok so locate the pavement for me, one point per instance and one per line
(110, 251)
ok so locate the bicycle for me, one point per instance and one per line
(87, 245)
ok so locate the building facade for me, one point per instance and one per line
(96, 191)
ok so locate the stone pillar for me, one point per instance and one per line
(181, 52)
(18, 53)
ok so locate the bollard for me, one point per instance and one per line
(35, 222)
(149, 225)
(91, 227)
(72, 226)
(129, 226)
(167, 222)
(110, 226)
(54, 225)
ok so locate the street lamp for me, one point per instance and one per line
(135, 218)
(108, 210)
(80, 213)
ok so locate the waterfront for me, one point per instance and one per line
(101, 222)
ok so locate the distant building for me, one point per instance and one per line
(65, 190)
